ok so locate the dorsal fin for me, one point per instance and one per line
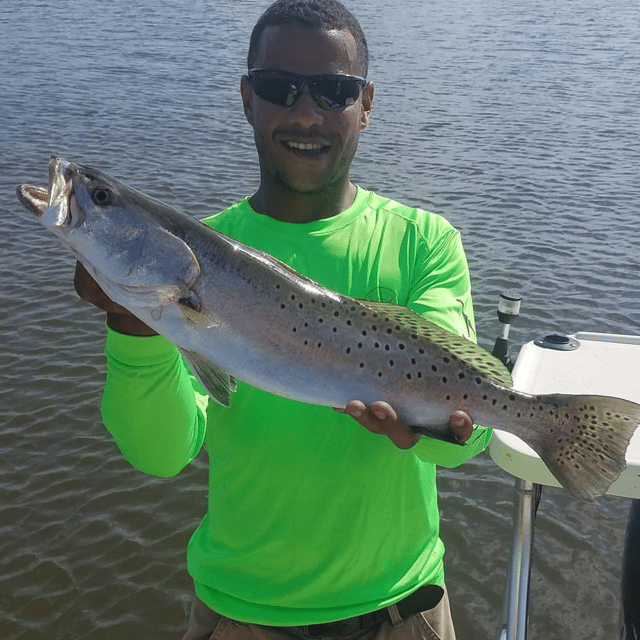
(458, 346)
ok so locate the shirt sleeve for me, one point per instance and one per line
(152, 405)
(441, 292)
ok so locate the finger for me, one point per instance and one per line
(381, 418)
(383, 410)
(461, 424)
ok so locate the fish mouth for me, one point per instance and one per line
(35, 199)
(52, 204)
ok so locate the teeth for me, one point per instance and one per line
(305, 146)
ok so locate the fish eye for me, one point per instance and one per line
(101, 196)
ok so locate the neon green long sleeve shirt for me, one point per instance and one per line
(311, 518)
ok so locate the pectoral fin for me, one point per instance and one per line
(218, 383)
(194, 311)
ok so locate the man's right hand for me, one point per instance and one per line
(118, 318)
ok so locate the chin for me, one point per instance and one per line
(304, 186)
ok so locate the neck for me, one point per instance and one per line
(291, 206)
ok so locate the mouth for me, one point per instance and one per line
(35, 199)
(51, 204)
(305, 148)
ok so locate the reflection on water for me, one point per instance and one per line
(517, 120)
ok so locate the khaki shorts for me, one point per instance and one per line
(434, 624)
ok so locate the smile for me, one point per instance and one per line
(306, 146)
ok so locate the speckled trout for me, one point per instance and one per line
(235, 312)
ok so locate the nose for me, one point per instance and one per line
(304, 111)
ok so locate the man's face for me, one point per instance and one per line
(303, 148)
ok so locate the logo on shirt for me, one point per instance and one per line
(470, 330)
(382, 294)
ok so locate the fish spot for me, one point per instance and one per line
(446, 360)
(360, 345)
(444, 379)
(364, 333)
(348, 350)
(434, 368)
(401, 346)
(461, 376)
(283, 306)
(478, 380)
(321, 320)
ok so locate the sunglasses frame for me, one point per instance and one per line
(298, 82)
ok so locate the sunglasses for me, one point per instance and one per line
(329, 91)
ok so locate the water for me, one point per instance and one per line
(517, 120)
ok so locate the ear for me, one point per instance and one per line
(247, 98)
(367, 103)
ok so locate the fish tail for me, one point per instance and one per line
(585, 444)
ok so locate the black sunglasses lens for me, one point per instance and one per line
(330, 93)
(275, 88)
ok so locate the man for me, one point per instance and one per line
(316, 527)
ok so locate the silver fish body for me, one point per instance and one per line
(236, 312)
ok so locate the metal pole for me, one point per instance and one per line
(517, 595)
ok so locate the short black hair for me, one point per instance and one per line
(311, 14)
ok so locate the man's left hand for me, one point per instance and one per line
(380, 417)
